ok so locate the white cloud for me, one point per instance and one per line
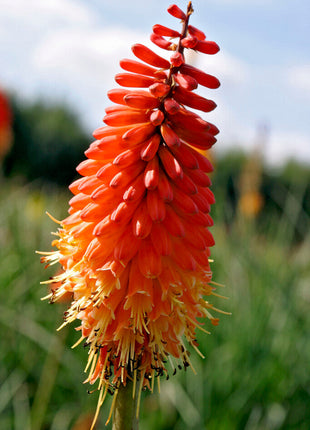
(276, 144)
(276, 147)
(89, 54)
(42, 12)
(24, 25)
(82, 65)
(298, 77)
(61, 51)
(287, 144)
(223, 65)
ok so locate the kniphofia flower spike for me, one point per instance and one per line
(135, 248)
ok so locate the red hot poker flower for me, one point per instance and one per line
(135, 248)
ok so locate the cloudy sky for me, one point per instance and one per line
(68, 51)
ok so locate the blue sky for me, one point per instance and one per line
(68, 51)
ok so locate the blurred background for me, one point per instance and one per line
(58, 59)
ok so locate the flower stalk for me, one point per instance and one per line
(125, 409)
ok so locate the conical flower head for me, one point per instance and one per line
(135, 248)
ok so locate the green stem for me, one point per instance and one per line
(125, 409)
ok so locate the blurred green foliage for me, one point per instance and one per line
(256, 375)
(285, 192)
(48, 143)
